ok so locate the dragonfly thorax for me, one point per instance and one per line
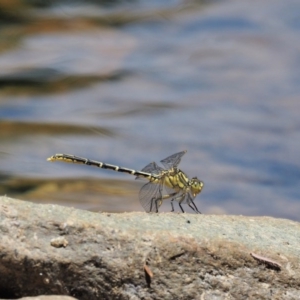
(175, 179)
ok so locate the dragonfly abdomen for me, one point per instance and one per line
(80, 160)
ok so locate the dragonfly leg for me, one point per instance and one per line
(158, 202)
(195, 209)
(169, 196)
(181, 207)
(153, 199)
(180, 199)
(172, 205)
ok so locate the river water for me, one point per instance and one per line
(131, 82)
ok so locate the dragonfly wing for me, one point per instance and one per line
(173, 160)
(148, 194)
(151, 168)
(169, 190)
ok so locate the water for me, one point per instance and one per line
(136, 81)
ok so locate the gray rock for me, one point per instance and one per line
(50, 249)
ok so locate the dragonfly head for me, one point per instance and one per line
(196, 186)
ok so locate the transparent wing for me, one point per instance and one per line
(148, 194)
(151, 168)
(169, 190)
(173, 160)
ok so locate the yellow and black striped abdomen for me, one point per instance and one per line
(69, 158)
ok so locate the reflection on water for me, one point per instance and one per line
(130, 82)
(87, 193)
(11, 129)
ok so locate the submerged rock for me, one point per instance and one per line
(55, 250)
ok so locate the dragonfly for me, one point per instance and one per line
(163, 183)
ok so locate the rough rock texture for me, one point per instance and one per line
(50, 249)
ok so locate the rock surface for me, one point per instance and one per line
(55, 250)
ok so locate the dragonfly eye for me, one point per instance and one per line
(196, 185)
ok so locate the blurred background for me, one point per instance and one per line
(131, 82)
